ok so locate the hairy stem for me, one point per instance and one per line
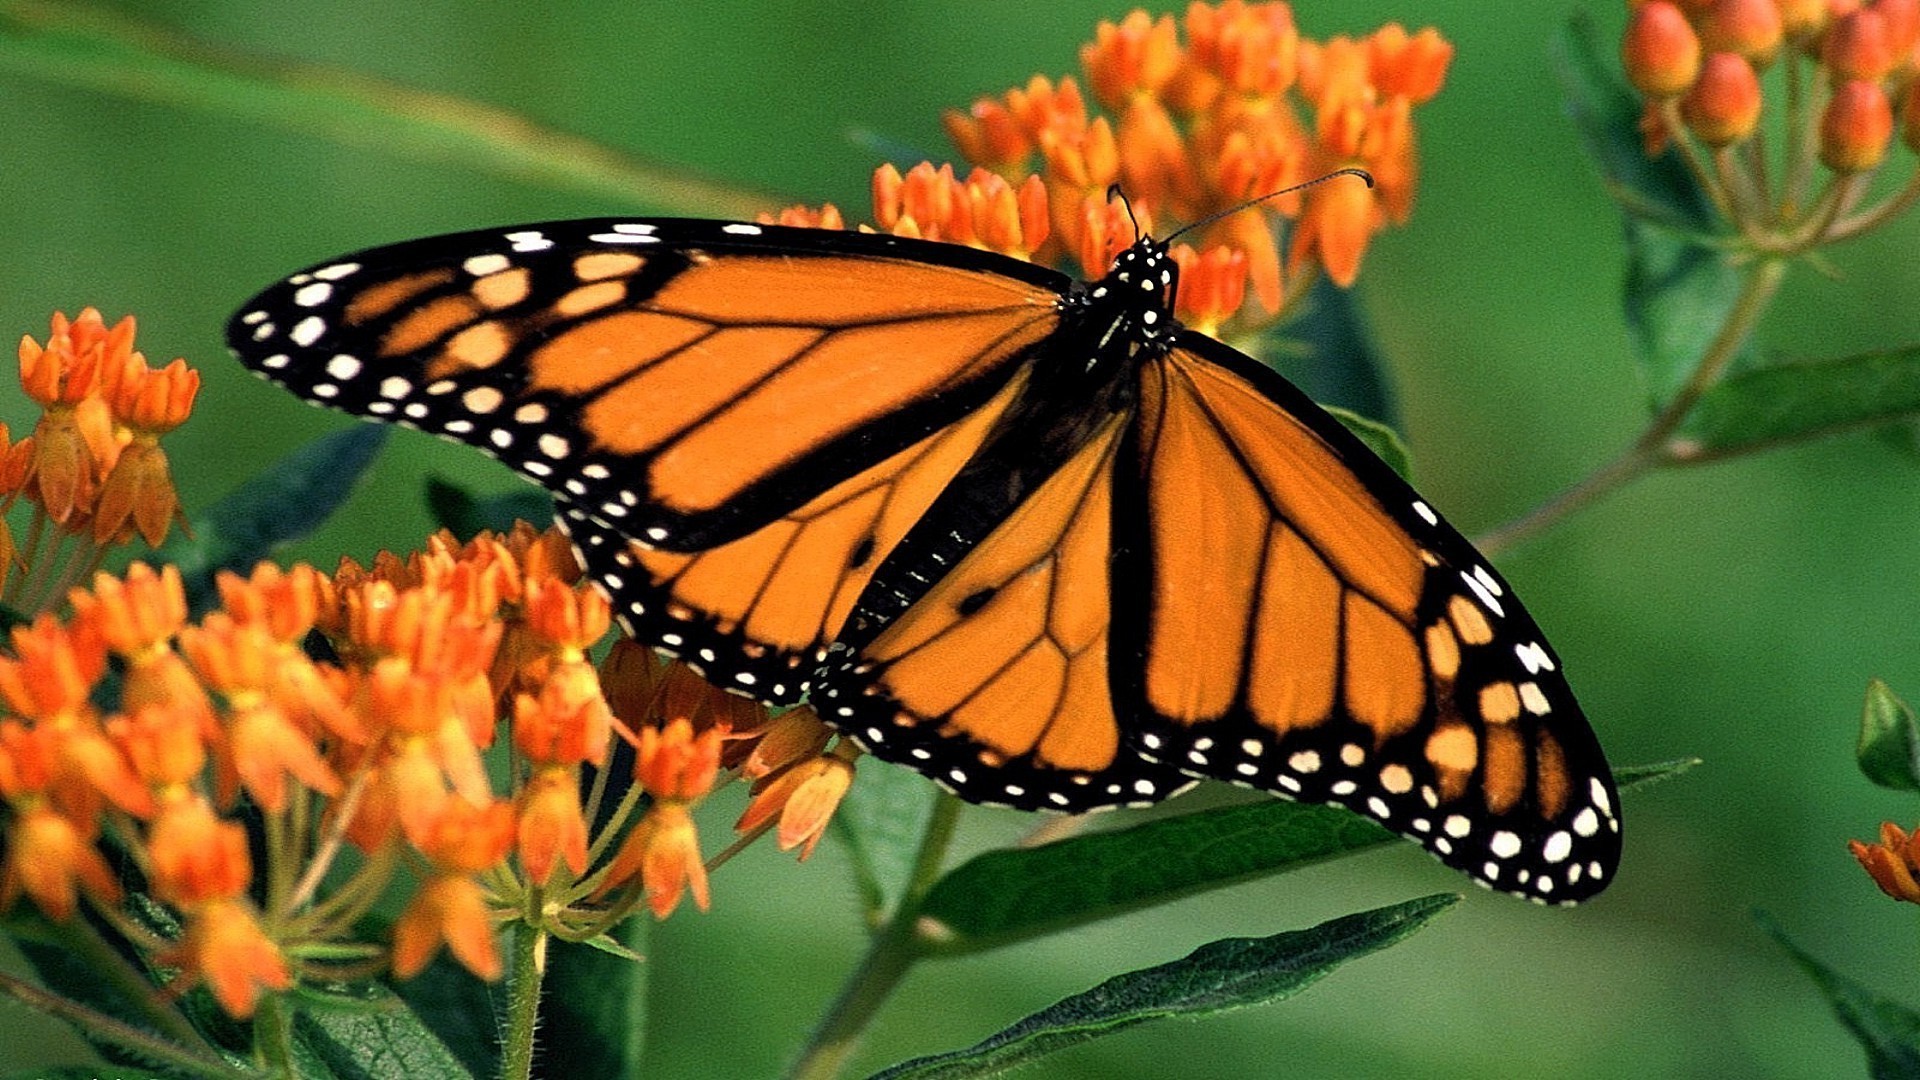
(526, 968)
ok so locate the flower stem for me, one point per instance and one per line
(525, 970)
(889, 957)
(1650, 449)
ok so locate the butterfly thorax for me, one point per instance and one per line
(1129, 311)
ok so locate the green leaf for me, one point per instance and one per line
(459, 1008)
(1635, 776)
(113, 54)
(1889, 748)
(881, 820)
(593, 1017)
(366, 1032)
(1606, 113)
(1216, 977)
(1381, 439)
(1786, 402)
(1678, 294)
(1004, 896)
(283, 503)
(465, 514)
(1888, 1031)
(1339, 363)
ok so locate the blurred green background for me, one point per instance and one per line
(1732, 612)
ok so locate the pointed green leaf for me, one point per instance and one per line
(1004, 896)
(593, 1016)
(881, 821)
(1328, 351)
(283, 503)
(1606, 113)
(1887, 1030)
(1222, 975)
(365, 1032)
(459, 1007)
(465, 514)
(1889, 747)
(1787, 402)
(1635, 776)
(110, 53)
(1381, 439)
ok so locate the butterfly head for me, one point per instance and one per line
(1135, 298)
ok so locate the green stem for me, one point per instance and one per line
(1650, 449)
(106, 1029)
(273, 1035)
(129, 983)
(525, 970)
(889, 957)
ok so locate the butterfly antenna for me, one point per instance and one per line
(1114, 192)
(1251, 203)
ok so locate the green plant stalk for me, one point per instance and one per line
(1650, 450)
(103, 1028)
(273, 1035)
(889, 957)
(86, 943)
(526, 968)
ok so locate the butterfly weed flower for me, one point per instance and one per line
(1893, 863)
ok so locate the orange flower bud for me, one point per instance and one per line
(165, 744)
(1802, 20)
(568, 722)
(673, 763)
(448, 909)
(1212, 286)
(51, 859)
(1137, 56)
(149, 401)
(551, 828)
(1751, 28)
(1660, 51)
(805, 217)
(1903, 29)
(1856, 127)
(196, 857)
(567, 618)
(136, 612)
(1408, 66)
(1859, 47)
(263, 748)
(1891, 862)
(805, 797)
(286, 602)
(988, 135)
(53, 669)
(224, 945)
(1724, 105)
(1253, 48)
(663, 851)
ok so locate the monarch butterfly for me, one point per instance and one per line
(1024, 534)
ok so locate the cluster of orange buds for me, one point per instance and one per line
(1204, 115)
(377, 765)
(1893, 863)
(1846, 85)
(93, 468)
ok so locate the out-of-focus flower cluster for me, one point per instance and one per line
(1202, 114)
(1893, 863)
(1845, 87)
(432, 723)
(92, 468)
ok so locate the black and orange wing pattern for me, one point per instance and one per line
(1027, 536)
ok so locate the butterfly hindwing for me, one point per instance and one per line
(1307, 625)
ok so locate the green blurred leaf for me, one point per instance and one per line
(882, 820)
(1634, 776)
(593, 1015)
(458, 1007)
(283, 503)
(1889, 747)
(1381, 439)
(1216, 977)
(1340, 364)
(1787, 402)
(113, 54)
(366, 1032)
(1606, 112)
(1678, 294)
(1004, 896)
(465, 514)
(1887, 1030)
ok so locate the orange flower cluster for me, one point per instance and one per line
(1205, 114)
(93, 465)
(375, 760)
(1700, 64)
